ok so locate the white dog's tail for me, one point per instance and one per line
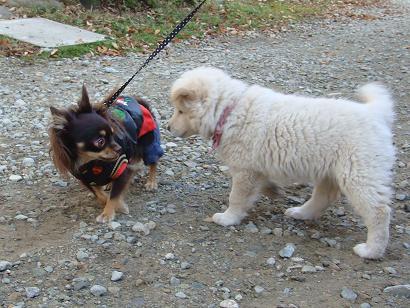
(379, 100)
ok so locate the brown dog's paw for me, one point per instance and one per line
(151, 185)
(122, 207)
(106, 216)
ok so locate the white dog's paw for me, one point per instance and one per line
(365, 251)
(299, 212)
(226, 219)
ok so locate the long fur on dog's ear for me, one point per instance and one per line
(84, 105)
(183, 95)
(58, 152)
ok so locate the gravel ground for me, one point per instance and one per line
(53, 254)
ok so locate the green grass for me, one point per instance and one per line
(142, 28)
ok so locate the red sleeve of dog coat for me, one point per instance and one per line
(148, 123)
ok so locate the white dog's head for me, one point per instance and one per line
(198, 98)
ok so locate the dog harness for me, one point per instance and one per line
(141, 133)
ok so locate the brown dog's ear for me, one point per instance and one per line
(59, 118)
(84, 105)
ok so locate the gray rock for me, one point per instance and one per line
(28, 162)
(82, 255)
(15, 178)
(98, 290)
(251, 227)
(186, 265)
(181, 294)
(271, 261)
(258, 289)
(113, 225)
(287, 251)
(5, 13)
(348, 294)
(32, 292)
(116, 276)
(228, 303)
(278, 231)
(174, 281)
(309, 269)
(20, 217)
(80, 283)
(365, 305)
(4, 265)
(399, 290)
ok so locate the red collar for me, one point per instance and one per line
(216, 138)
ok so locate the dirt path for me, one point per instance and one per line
(47, 226)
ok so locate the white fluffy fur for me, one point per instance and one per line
(276, 139)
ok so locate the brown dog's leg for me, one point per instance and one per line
(116, 200)
(100, 194)
(152, 178)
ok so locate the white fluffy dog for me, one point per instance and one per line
(271, 139)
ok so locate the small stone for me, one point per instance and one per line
(278, 232)
(4, 265)
(140, 227)
(15, 178)
(32, 292)
(181, 295)
(113, 225)
(169, 172)
(309, 269)
(169, 256)
(171, 145)
(287, 251)
(365, 305)
(266, 231)
(228, 303)
(110, 70)
(390, 270)
(151, 225)
(116, 276)
(238, 297)
(251, 227)
(399, 290)
(404, 184)
(49, 269)
(223, 168)
(80, 283)
(271, 261)
(258, 289)
(185, 265)
(20, 103)
(20, 217)
(348, 294)
(82, 256)
(401, 197)
(98, 290)
(174, 281)
(28, 162)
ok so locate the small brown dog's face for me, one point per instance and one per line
(81, 135)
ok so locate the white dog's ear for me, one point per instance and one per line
(186, 96)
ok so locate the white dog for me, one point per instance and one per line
(268, 138)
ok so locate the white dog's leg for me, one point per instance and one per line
(245, 191)
(324, 193)
(376, 217)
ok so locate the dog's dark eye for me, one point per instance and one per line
(180, 112)
(99, 142)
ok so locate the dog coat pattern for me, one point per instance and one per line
(141, 132)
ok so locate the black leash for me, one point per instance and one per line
(160, 47)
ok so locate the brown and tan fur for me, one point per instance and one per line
(68, 155)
